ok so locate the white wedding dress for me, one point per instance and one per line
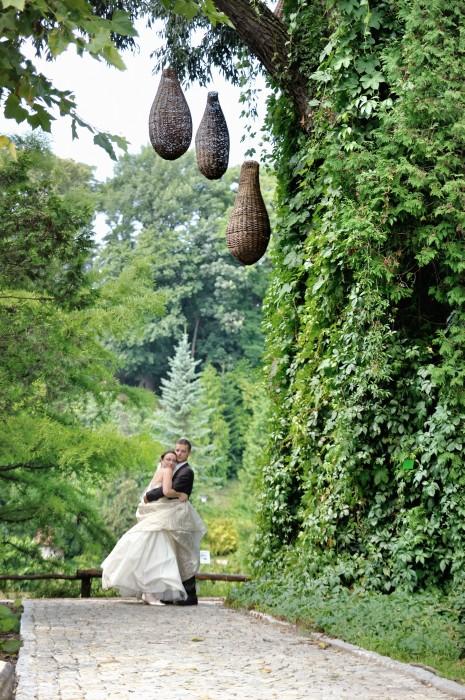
(155, 556)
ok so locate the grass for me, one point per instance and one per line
(10, 614)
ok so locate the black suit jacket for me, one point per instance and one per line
(183, 481)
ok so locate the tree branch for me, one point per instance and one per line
(23, 550)
(11, 467)
(266, 36)
(11, 296)
(9, 515)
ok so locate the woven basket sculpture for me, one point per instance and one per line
(248, 229)
(212, 140)
(170, 122)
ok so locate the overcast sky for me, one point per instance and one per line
(120, 101)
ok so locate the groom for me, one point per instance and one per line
(183, 481)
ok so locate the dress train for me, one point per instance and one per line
(158, 553)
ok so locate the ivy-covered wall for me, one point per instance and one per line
(365, 318)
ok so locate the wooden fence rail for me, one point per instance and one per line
(86, 576)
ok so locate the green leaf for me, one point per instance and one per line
(8, 23)
(10, 646)
(111, 54)
(407, 464)
(186, 8)
(321, 76)
(210, 10)
(80, 5)
(121, 24)
(372, 80)
(319, 283)
(120, 141)
(100, 40)
(366, 65)
(293, 259)
(374, 19)
(381, 476)
(342, 61)
(41, 119)
(58, 41)
(104, 142)
(13, 109)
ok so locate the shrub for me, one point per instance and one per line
(222, 536)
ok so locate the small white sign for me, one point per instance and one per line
(204, 556)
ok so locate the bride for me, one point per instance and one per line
(153, 558)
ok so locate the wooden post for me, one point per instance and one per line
(86, 586)
(86, 576)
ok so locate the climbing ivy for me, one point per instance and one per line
(365, 316)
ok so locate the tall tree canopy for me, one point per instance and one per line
(170, 214)
(53, 321)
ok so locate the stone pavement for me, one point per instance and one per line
(116, 649)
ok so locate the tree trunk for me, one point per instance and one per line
(266, 36)
(194, 336)
(146, 382)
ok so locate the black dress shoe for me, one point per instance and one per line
(191, 592)
(188, 601)
(167, 602)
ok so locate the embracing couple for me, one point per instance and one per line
(157, 559)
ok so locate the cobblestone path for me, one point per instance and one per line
(115, 649)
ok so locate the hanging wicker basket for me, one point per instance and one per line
(248, 229)
(170, 122)
(212, 140)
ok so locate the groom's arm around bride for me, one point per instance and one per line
(183, 476)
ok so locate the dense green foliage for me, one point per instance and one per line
(46, 226)
(365, 316)
(365, 347)
(169, 214)
(219, 463)
(53, 320)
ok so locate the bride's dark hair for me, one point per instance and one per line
(168, 452)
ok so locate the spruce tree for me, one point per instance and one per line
(180, 413)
